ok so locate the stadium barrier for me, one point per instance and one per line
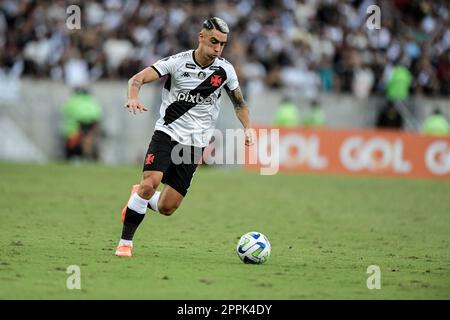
(367, 152)
(31, 119)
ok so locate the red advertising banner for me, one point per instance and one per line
(369, 152)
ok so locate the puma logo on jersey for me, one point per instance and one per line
(197, 99)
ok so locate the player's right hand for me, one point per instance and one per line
(133, 105)
(249, 137)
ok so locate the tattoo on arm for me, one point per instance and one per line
(237, 99)
(136, 83)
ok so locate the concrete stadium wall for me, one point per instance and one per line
(30, 119)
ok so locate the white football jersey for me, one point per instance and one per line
(190, 98)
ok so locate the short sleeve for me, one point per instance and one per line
(233, 81)
(165, 66)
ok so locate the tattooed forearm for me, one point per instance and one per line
(136, 83)
(237, 99)
(133, 87)
(240, 106)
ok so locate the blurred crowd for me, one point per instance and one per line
(307, 45)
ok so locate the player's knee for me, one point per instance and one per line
(167, 209)
(148, 187)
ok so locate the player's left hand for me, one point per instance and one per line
(249, 137)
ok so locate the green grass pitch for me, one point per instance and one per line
(324, 230)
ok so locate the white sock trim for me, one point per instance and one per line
(138, 204)
(153, 202)
(123, 242)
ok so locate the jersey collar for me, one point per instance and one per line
(198, 64)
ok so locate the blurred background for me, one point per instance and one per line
(300, 64)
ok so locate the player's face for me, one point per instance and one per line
(212, 43)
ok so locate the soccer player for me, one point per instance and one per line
(188, 112)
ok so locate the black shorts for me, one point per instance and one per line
(177, 162)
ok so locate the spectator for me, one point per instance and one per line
(287, 114)
(363, 80)
(82, 116)
(282, 40)
(398, 83)
(425, 78)
(315, 117)
(389, 117)
(325, 71)
(443, 72)
(76, 72)
(436, 124)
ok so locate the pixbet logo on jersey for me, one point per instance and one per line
(197, 99)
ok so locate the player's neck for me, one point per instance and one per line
(201, 60)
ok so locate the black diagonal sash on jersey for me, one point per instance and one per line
(205, 89)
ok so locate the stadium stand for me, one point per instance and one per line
(313, 45)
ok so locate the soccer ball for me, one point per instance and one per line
(253, 247)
